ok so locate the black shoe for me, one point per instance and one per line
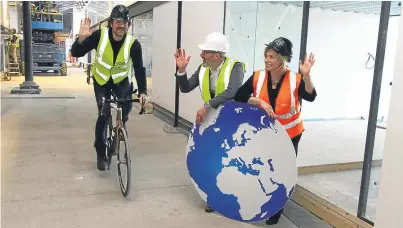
(274, 219)
(271, 222)
(101, 163)
(208, 209)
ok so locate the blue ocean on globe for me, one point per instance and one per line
(242, 162)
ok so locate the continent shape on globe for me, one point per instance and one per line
(242, 162)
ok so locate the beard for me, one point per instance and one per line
(204, 63)
(119, 33)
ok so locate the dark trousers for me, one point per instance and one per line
(119, 90)
(295, 142)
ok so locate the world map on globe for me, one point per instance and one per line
(242, 162)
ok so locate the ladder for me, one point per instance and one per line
(13, 69)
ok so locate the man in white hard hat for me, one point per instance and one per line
(218, 77)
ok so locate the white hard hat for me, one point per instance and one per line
(215, 41)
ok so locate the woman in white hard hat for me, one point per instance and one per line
(279, 91)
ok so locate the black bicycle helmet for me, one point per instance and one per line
(281, 45)
(120, 12)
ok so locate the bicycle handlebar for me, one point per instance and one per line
(122, 101)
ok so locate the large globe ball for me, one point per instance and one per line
(242, 162)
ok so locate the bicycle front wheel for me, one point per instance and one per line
(124, 162)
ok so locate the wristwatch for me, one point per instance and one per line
(207, 105)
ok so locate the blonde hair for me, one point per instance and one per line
(282, 59)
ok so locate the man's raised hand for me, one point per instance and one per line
(85, 30)
(181, 60)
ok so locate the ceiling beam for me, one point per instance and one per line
(141, 7)
(137, 8)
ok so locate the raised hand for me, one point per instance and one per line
(181, 60)
(85, 30)
(308, 63)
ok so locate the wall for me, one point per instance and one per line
(342, 80)
(164, 66)
(5, 16)
(193, 34)
(344, 83)
(388, 67)
(389, 202)
(164, 29)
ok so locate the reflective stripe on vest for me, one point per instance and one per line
(287, 114)
(222, 80)
(103, 67)
(104, 41)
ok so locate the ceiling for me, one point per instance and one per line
(97, 10)
(370, 7)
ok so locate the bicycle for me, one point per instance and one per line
(117, 133)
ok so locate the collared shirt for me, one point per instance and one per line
(213, 77)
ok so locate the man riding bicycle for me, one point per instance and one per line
(115, 49)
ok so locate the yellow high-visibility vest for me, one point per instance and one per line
(103, 67)
(222, 80)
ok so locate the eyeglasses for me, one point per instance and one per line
(120, 21)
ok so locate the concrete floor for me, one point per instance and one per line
(343, 189)
(49, 176)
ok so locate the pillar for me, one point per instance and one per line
(390, 202)
(28, 86)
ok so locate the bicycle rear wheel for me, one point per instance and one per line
(124, 162)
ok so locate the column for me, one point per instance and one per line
(390, 201)
(28, 86)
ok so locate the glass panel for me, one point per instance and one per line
(142, 30)
(383, 110)
(343, 36)
(251, 25)
(278, 19)
(240, 29)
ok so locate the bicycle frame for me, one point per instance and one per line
(118, 109)
(116, 104)
(118, 134)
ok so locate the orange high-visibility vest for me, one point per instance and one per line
(288, 108)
